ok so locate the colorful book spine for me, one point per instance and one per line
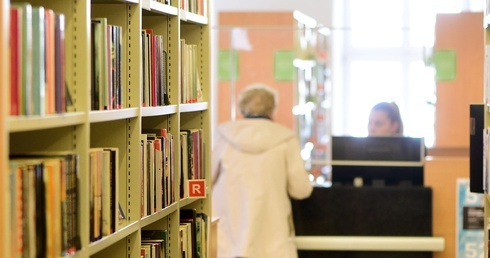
(38, 61)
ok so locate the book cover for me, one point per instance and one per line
(100, 63)
(189, 216)
(116, 67)
(52, 181)
(171, 165)
(95, 192)
(158, 49)
(106, 189)
(150, 173)
(15, 59)
(186, 246)
(156, 236)
(114, 188)
(16, 210)
(49, 45)
(40, 207)
(152, 71)
(146, 87)
(158, 173)
(26, 58)
(59, 53)
(166, 97)
(201, 234)
(144, 176)
(108, 101)
(38, 61)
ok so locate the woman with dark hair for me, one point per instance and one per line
(385, 120)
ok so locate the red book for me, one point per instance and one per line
(153, 71)
(15, 62)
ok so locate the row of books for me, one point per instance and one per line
(193, 237)
(154, 243)
(194, 6)
(191, 87)
(154, 83)
(157, 171)
(193, 234)
(105, 213)
(44, 201)
(192, 157)
(107, 55)
(37, 65)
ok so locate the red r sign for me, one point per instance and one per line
(197, 188)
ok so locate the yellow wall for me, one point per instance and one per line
(441, 174)
(462, 33)
(267, 33)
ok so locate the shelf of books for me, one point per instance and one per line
(486, 118)
(105, 128)
(4, 107)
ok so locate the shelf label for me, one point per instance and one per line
(197, 188)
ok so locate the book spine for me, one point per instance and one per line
(38, 61)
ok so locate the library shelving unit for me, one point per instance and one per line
(80, 128)
(486, 123)
(313, 94)
(4, 201)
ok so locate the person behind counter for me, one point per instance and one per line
(256, 169)
(385, 120)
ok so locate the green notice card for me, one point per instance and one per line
(228, 65)
(445, 64)
(283, 65)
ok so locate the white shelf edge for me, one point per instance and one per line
(192, 17)
(370, 243)
(380, 163)
(111, 239)
(163, 8)
(186, 201)
(112, 115)
(193, 107)
(158, 111)
(27, 123)
(158, 215)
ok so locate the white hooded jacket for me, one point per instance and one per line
(256, 169)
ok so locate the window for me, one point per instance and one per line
(379, 53)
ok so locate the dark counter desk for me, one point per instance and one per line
(369, 216)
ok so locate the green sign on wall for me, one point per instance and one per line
(283, 65)
(445, 64)
(228, 65)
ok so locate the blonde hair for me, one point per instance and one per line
(257, 100)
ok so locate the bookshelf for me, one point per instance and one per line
(80, 128)
(486, 125)
(313, 96)
(4, 200)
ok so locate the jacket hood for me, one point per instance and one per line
(254, 135)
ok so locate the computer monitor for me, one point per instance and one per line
(378, 161)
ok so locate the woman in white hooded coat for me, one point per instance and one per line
(256, 169)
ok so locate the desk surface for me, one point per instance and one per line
(369, 243)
